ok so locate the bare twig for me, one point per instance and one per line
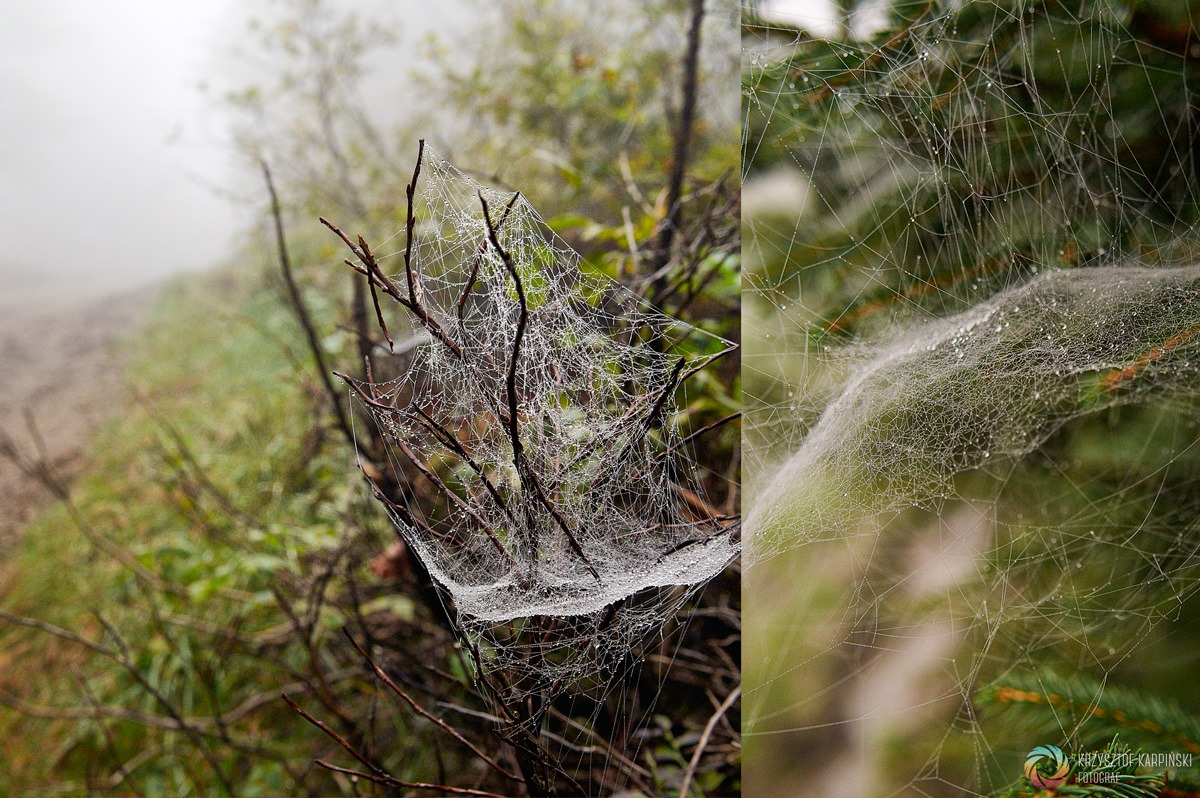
(475, 264)
(706, 428)
(663, 396)
(518, 336)
(205, 726)
(413, 299)
(339, 739)
(411, 785)
(302, 314)
(376, 774)
(409, 226)
(623, 763)
(456, 446)
(379, 319)
(59, 632)
(395, 688)
(121, 773)
(125, 659)
(39, 443)
(371, 270)
(690, 773)
(524, 471)
(40, 471)
(670, 223)
(429, 474)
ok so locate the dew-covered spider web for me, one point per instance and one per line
(972, 364)
(540, 429)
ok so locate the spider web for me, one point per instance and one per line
(973, 341)
(557, 501)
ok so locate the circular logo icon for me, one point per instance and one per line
(1046, 767)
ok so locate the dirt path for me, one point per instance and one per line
(60, 365)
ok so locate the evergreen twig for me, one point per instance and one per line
(1089, 712)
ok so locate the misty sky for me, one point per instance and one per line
(105, 145)
(110, 152)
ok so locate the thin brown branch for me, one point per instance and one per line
(462, 504)
(126, 660)
(706, 428)
(690, 773)
(120, 773)
(693, 500)
(59, 632)
(1116, 377)
(132, 764)
(302, 314)
(39, 443)
(395, 688)
(411, 785)
(560, 521)
(410, 225)
(524, 471)
(663, 396)
(703, 362)
(518, 336)
(512, 425)
(205, 726)
(628, 766)
(475, 264)
(683, 138)
(451, 442)
(643, 428)
(339, 739)
(379, 317)
(363, 395)
(371, 270)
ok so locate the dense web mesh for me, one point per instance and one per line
(995, 381)
(541, 408)
(973, 343)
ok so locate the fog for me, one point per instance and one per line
(112, 158)
(104, 146)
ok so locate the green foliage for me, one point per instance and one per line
(555, 95)
(1089, 712)
(969, 110)
(234, 506)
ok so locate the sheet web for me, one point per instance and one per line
(972, 367)
(538, 428)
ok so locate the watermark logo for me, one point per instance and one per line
(1046, 767)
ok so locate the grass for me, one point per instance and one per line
(277, 496)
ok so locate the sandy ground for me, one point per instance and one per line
(61, 365)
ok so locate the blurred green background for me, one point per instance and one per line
(906, 163)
